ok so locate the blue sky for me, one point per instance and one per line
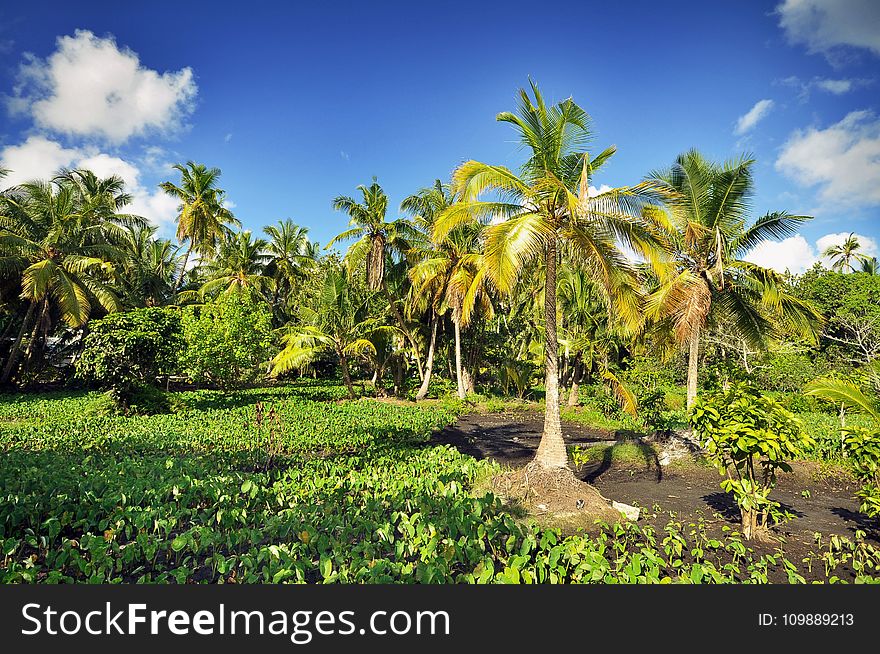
(297, 104)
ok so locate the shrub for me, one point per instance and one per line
(748, 436)
(227, 340)
(863, 446)
(127, 352)
(787, 371)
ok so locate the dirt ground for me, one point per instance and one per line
(689, 489)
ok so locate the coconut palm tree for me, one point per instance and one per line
(149, 268)
(292, 257)
(377, 239)
(240, 264)
(707, 279)
(844, 254)
(63, 245)
(870, 265)
(339, 322)
(203, 220)
(451, 276)
(546, 211)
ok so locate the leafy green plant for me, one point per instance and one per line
(749, 437)
(129, 352)
(228, 340)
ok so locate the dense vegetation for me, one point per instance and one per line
(500, 283)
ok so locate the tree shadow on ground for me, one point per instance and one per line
(725, 505)
(590, 473)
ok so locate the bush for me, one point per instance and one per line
(127, 352)
(787, 371)
(228, 340)
(748, 436)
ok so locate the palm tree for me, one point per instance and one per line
(292, 257)
(870, 265)
(339, 322)
(150, 267)
(451, 275)
(843, 255)
(203, 220)
(63, 243)
(706, 278)
(377, 240)
(546, 211)
(240, 264)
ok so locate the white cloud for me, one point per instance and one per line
(822, 25)
(36, 158)
(228, 204)
(835, 86)
(751, 118)
(40, 158)
(796, 254)
(89, 87)
(843, 160)
(838, 86)
(592, 191)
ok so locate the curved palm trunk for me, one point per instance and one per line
(182, 272)
(551, 450)
(429, 364)
(15, 350)
(346, 375)
(693, 363)
(404, 328)
(458, 374)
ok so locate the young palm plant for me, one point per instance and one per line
(707, 279)
(546, 210)
(339, 322)
(377, 239)
(240, 264)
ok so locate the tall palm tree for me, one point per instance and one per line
(239, 265)
(63, 244)
(292, 256)
(451, 276)
(707, 279)
(203, 220)
(377, 240)
(844, 254)
(547, 211)
(339, 322)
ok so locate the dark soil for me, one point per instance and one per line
(820, 500)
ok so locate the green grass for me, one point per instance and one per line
(311, 490)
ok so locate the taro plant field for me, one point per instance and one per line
(293, 485)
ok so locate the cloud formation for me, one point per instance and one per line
(823, 25)
(40, 158)
(753, 116)
(91, 88)
(843, 160)
(796, 254)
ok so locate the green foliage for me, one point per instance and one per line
(228, 340)
(749, 437)
(127, 352)
(281, 486)
(863, 445)
(787, 371)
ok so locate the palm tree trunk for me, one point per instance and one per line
(551, 450)
(346, 375)
(15, 350)
(182, 272)
(429, 364)
(458, 376)
(574, 394)
(404, 328)
(693, 363)
(31, 343)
